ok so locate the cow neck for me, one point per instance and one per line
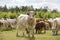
(30, 21)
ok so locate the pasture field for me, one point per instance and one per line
(11, 35)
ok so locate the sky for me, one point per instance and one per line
(52, 4)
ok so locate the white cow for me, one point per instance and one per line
(12, 22)
(56, 26)
(49, 23)
(27, 22)
(8, 23)
(5, 23)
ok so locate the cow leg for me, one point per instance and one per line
(44, 30)
(29, 33)
(36, 30)
(32, 32)
(55, 32)
(39, 31)
(23, 30)
(17, 30)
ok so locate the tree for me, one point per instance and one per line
(11, 9)
(1, 8)
(24, 8)
(27, 8)
(5, 9)
(54, 11)
(45, 9)
(31, 7)
(17, 9)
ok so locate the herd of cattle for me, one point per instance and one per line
(28, 22)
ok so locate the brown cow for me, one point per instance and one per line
(40, 25)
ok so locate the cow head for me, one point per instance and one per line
(31, 14)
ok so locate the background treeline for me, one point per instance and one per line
(14, 12)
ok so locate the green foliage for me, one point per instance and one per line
(3, 15)
(39, 14)
(12, 15)
(47, 15)
(8, 15)
(15, 12)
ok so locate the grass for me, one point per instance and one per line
(11, 35)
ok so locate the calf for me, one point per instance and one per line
(26, 22)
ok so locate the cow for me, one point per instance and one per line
(48, 24)
(56, 26)
(40, 25)
(26, 22)
(5, 24)
(12, 22)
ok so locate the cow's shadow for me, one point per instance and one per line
(57, 35)
(29, 38)
(19, 36)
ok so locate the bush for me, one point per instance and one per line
(12, 15)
